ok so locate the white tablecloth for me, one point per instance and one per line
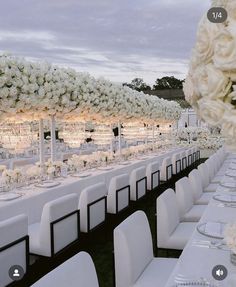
(33, 200)
(196, 262)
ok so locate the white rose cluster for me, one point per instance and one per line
(230, 236)
(31, 91)
(210, 86)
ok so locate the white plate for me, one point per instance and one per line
(225, 198)
(216, 232)
(81, 175)
(143, 158)
(105, 168)
(124, 163)
(6, 196)
(230, 184)
(47, 184)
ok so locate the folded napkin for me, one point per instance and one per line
(213, 229)
(232, 281)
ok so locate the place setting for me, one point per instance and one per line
(8, 196)
(212, 229)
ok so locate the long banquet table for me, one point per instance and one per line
(34, 198)
(198, 262)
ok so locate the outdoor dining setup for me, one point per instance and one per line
(111, 184)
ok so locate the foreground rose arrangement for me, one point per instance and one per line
(230, 236)
(210, 86)
(32, 91)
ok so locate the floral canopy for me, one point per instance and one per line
(32, 91)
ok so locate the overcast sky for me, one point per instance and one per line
(117, 39)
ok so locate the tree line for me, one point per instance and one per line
(164, 83)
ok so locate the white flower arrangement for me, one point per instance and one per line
(230, 236)
(198, 136)
(2, 168)
(51, 170)
(33, 172)
(210, 86)
(30, 90)
(12, 176)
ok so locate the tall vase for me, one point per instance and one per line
(119, 137)
(53, 139)
(41, 143)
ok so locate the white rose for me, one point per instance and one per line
(212, 111)
(231, 9)
(189, 90)
(229, 124)
(211, 82)
(203, 50)
(225, 51)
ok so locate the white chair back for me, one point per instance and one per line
(93, 206)
(203, 169)
(78, 271)
(184, 195)
(133, 248)
(118, 194)
(138, 183)
(176, 163)
(167, 216)
(196, 184)
(11, 231)
(153, 175)
(189, 156)
(56, 222)
(184, 160)
(166, 169)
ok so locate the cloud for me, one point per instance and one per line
(117, 39)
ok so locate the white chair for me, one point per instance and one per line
(176, 163)
(138, 183)
(78, 271)
(184, 162)
(118, 197)
(194, 150)
(204, 172)
(166, 169)
(153, 175)
(212, 165)
(135, 265)
(171, 233)
(199, 196)
(189, 155)
(93, 207)
(58, 228)
(188, 211)
(14, 246)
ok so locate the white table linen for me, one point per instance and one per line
(33, 200)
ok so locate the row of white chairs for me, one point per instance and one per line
(178, 162)
(134, 261)
(188, 202)
(64, 218)
(135, 264)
